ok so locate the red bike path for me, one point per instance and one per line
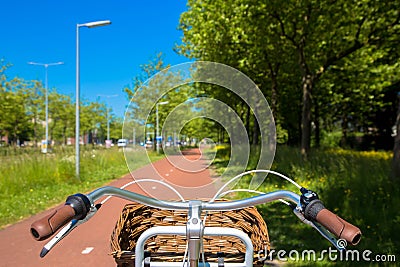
(89, 244)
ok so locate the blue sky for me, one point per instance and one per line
(45, 31)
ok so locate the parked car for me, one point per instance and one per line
(149, 144)
(122, 142)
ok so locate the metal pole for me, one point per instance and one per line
(47, 111)
(77, 164)
(46, 97)
(77, 109)
(158, 149)
(108, 124)
(157, 132)
(108, 114)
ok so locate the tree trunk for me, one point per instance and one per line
(64, 135)
(274, 109)
(15, 135)
(255, 133)
(396, 150)
(317, 125)
(306, 116)
(274, 89)
(35, 138)
(255, 127)
(248, 114)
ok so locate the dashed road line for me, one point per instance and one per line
(87, 250)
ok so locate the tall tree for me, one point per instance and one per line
(354, 91)
(323, 33)
(231, 33)
(14, 120)
(314, 36)
(62, 117)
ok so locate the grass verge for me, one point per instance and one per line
(32, 182)
(355, 185)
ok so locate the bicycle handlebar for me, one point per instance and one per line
(78, 206)
(206, 206)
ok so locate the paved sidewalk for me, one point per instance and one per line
(89, 244)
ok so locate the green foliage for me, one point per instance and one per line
(331, 139)
(355, 185)
(319, 61)
(281, 135)
(14, 100)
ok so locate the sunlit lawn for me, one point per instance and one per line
(31, 182)
(355, 185)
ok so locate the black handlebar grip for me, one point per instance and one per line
(316, 211)
(76, 207)
(80, 203)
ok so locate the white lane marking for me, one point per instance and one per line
(154, 188)
(87, 250)
(171, 170)
(167, 174)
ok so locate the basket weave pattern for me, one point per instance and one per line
(136, 218)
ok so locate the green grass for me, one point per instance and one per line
(31, 182)
(355, 185)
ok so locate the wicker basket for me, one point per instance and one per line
(136, 218)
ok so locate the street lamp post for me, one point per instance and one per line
(157, 135)
(108, 115)
(46, 65)
(77, 110)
